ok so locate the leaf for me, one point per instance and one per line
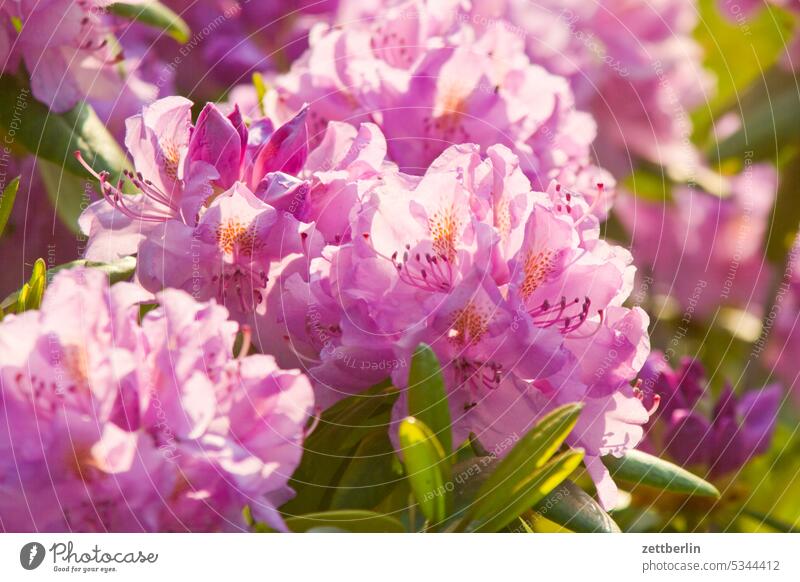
(532, 451)
(642, 469)
(67, 193)
(768, 520)
(504, 508)
(7, 202)
(261, 91)
(427, 399)
(355, 521)
(154, 14)
(55, 137)
(332, 444)
(37, 284)
(768, 123)
(370, 476)
(571, 507)
(119, 270)
(425, 463)
(736, 55)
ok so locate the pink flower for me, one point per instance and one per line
(64, 46)
(513, 289)
(703, 250)
(207, 217)
(426, 78)
(112, 425)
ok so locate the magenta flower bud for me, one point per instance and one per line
(286, 151)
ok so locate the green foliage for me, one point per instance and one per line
(331, 448)
(120, 270)
(736, 55)
(572, 508)
(56, 137)
(30, 295)
(640, 468)
(427, 399)
(67, 193)
(154, 14)
(7, 202)
(354, 521)
(426, 469)
(524, 476)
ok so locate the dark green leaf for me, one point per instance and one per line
(331, 446)
(153, 14)
(571, 507)
(427, 399)
(7, 202)
(67, 193)
(426, 469)
(370, 476)
(642, 469)
(507, 505)
(120, 270)
(356, 521)
(531, 452)
(56, 137)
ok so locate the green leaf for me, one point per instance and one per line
(768, 520)
(533, 450)
(153, 14)
(530, 453)
(736, 55)
(571, 507)
(426, 468)
(120, 270)
(56, 137)
(650, 184)
(355, 521)
(7, 202)
(427, 399)
(370, 476)
(261, 90)
(642, 469)
(23, 297)
(328, 450)
(37, 283)
(67, 193)
(769, 122)
(526, 492)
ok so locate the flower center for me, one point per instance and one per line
(535, 269)
(445, 228)
(468, 325)
(232, 236)
(171, 158)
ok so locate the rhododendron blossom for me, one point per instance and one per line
(114, 425)
(517, 296)
(424, 77)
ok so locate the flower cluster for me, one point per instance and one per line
(430, 80)
(718, 434)
(206, 218)
(343, 264)
(635, 67)
(64, 47)
(703, 250)
(111, 424)
(513, 289)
